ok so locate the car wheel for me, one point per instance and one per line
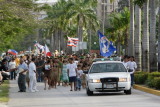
(128, 92)
(89, 93)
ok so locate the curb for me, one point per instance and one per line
(148, 90)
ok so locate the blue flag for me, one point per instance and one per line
(106, 46)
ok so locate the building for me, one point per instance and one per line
(104, 8)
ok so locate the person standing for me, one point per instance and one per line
(72, 71)
(12, 66)
(32, 76)
(22, 68)
(132, 67)
(64, 73)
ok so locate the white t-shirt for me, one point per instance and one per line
(132, 65)
(126, 65)
(12, 65)
(72, 69)
(47, 67)
(32, 68)
(79, 73)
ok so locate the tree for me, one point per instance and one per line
(119, 29)
(16, 21)
(159, 41)
(145, 39)
(131, 39)
(138, 46)
(152, 37)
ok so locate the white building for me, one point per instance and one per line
(42, 14)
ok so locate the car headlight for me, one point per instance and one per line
(122, 79)
(94, 81)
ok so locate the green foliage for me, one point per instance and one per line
(140, 2)
(150, 79)
(141, 77)
(4, 93)
(67, 16)
(16, 21)
(156, 82)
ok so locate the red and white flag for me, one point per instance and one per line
(46, 51)
(72, 41)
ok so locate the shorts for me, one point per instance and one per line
(72, 79)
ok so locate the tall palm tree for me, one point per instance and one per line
(145, 39)
(137, 38)
(152, 39)
(81, 12)
(159, 41)
(131, 39)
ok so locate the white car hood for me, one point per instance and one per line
(108, 74)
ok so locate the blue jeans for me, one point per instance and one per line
(132, 79)
(79, 83)
(39, 79)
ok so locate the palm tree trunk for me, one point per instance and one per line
(152, 39)
(159, 41)
(137, 41)
(131, 39)
(145, 39)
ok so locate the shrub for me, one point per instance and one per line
(156, 83)
(140, 78)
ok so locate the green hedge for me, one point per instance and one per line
(150, 79)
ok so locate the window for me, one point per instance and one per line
(107, 67)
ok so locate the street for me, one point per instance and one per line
(62, 97)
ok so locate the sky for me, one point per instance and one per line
(46, 1)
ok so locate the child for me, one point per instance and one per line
(79, 75)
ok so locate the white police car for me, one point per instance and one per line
(108, 76)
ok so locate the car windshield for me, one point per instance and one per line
(107, 67)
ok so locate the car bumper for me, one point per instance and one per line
(97, 87)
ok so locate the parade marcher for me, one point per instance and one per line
(12, 66)
(54, 73)
(125, 62)
(65, 78)
(47, 72)
(22, 68)
(32, 76)
(72, 71)
(132, 67)
(79, 76)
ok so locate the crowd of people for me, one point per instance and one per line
(53, 71)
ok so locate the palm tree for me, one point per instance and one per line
(152, 39)
(159, 41)
(81, 12)
(119, 29)
(131, 39)
(145, 39)
(137, 34)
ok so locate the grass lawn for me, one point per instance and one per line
(4, 91)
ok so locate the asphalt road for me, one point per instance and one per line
(62, 97)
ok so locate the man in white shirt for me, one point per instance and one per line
(32, 76)
(132, 67)
(72, 73)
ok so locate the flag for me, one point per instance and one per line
(13, 52)
(72, 41)
(46, 51)
(106, 46)
(40, 47)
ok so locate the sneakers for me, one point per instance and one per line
(36, 90)
(32, 91)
